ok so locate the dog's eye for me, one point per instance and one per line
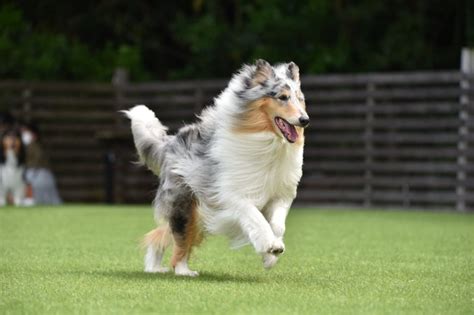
(283, 98)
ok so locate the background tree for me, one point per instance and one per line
(56, 40)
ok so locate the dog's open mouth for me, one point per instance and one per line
(287, 129)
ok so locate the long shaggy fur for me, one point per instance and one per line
(234, 172)
(12, 169)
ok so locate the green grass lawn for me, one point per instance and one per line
(86, 259)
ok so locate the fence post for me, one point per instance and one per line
(368, 146)
(26, 106)
(467, 67)
(119, 80)
(114, 168)
(198, 98)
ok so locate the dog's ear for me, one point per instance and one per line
(293, 72)
(263, 72)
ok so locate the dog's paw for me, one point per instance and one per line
(186, 273)
(269, 260)
(276, 248)
(159, 269)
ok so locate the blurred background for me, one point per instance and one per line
(162, 40)
(389, 86)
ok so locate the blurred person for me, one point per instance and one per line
(12, 168)
(38, 174)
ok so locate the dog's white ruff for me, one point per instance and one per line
(11, 180)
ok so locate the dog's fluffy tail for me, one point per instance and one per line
(158, 239)
(148, 134)
(156, 242)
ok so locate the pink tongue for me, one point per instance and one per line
(289, 130)
(292, 134)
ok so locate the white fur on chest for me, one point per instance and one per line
(11, 174)
(257, 167)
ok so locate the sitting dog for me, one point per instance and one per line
(12, 159)
(234, 172)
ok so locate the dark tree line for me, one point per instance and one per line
(87, 40)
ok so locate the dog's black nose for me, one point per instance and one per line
(304, 121)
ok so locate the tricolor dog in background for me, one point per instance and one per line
(234, 172)
(12, 170)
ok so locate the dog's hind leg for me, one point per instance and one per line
(184, 224)
(156, 242)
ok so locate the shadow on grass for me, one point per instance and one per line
(140, 275)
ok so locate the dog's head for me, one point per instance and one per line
(11, 140)
(273, 100)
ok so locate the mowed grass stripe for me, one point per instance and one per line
(87, 259)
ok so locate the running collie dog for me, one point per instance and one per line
(234, 172)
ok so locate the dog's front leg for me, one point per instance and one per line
(3, 197)
(3, 191)
(276, 213)
(256, 227)
(19, 195)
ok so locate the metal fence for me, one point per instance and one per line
(391, 139)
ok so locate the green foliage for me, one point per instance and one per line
(211, 38)
(52, 56)
(86, 259)
(326, 36)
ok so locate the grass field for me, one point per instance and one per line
(85, 259)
